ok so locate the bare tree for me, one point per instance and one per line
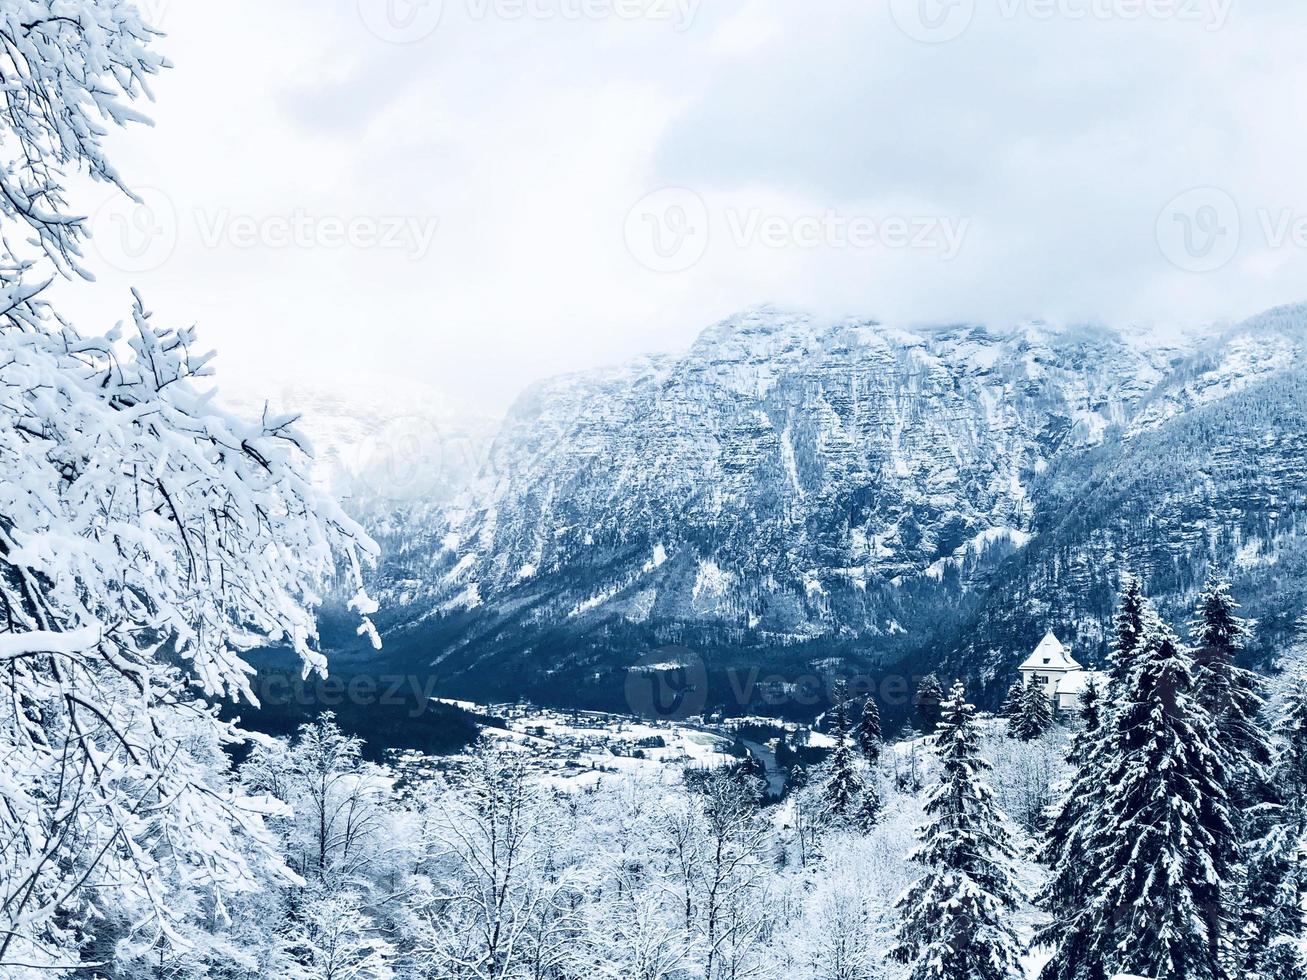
(499, 908)
(731, 873)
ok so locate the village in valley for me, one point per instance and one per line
(577, 750)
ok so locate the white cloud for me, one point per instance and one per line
(1058, 139)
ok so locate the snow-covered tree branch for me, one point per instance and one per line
(147, 538)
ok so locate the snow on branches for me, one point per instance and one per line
(72, 69)
(147, 538)
(957, 917)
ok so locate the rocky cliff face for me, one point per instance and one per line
(790, 492)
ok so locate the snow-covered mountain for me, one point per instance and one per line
(790, 490)
(380, 443)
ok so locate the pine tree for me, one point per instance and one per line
(870, 735)
(1291, 767)
(1276, 885)
(1064, 849)
(907, 778)
(1163, 848)
(930, 695)
(1012, 703)
(1276, 878)
(1035, 716)
(1072, 838)
(1128, 626)
(1091, 717)
(1231, 695)
(867, 814)
(1282, 961)
(956, 917)
(843, 788)
(752, 768)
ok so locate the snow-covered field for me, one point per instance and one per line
(574, 750)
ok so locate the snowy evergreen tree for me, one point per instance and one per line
(1132, 617)
(1011, 706)
(1035, 716)
(929, 700)
(1291, 766)
(1090, 713)
(868, 811)
(1275, 888)
(1276, 878)
(843, 790)
(1163, 848)
(1065, 848)
(1077, 830)
(870, 735)
(752, 768)
(957, 916)
(1231, 694)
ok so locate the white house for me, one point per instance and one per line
(1053, 667)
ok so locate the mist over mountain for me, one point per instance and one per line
(799, 497)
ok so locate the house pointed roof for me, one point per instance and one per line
(1050, 655)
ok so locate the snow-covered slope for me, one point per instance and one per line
(766, 477)
(790, 482)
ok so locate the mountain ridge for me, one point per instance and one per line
(791, 486)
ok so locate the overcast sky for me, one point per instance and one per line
(481, 192)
